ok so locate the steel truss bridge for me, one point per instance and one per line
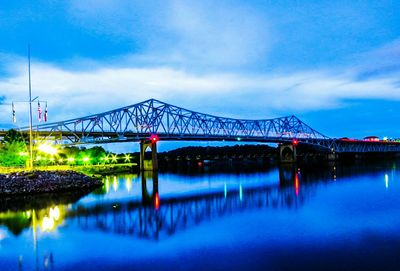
(152, 117)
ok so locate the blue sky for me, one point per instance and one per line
(334, 64)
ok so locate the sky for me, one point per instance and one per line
(333, 64)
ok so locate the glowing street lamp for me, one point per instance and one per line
(114, 158)
(127, 157)
(71, 160)
(106, 159)
(48, 149)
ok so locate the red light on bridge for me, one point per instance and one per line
(295, 142)
(154, 138)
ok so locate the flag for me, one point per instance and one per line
(14, 118)
(45, 113)
(39, 112)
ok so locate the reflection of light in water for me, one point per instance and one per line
(2, 234)
(296, 184)
(107, 184)
(240, 192)
(47, 223)
(55, 213)
(34, 229)
(334, 173)
(157, 201)
(115, 184)
(386, 181)
(225, 190)
(128, 184)
(50, 220)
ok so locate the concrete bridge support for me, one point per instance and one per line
(148, 163)
(287, 153)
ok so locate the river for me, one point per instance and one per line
(317, 217)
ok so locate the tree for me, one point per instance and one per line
(95, 153)
(13, 135)
(13, 151)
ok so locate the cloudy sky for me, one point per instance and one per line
(334, 64)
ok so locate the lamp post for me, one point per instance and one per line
(30, 161)
(30, 111)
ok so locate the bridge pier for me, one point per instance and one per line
(148, 164)
(287, 153)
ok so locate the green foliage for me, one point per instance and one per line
(71, 151)
(13, 153)
(13, 136)
(94, 154)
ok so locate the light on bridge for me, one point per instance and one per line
(154, 138)
(295, 142)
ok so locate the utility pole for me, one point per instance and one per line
(30, 111)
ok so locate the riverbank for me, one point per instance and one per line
(36, 182)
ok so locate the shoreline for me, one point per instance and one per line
(39, 181)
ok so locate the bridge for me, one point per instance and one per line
(152, 120)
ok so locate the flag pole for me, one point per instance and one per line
(30, 111)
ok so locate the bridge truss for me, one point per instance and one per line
(139, 121)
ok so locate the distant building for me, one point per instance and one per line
(371, 138)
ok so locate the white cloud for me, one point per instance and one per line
(379, 62)
(189, 34)
(79, 93)
(217, 34)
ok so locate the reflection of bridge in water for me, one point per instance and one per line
(155, 217)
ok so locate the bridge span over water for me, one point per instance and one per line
(153, 120)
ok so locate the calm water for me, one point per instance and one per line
(309, 218)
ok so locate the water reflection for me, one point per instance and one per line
(288, 194)
(386, 181)
(153, 206)
(149, 218)
(150, 197)
(40, 222)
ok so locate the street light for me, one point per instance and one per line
(30, 110)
